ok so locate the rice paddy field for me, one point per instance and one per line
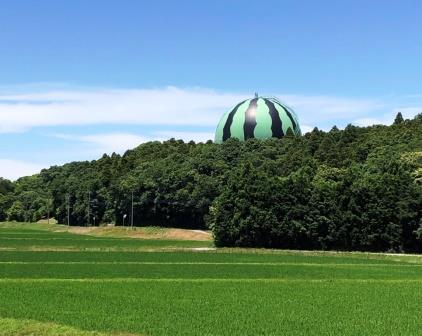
(60, 283)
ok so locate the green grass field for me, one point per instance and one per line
(58, 283)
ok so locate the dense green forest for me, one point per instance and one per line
(354, 189)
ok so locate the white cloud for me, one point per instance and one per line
(107, 142)
(384, 120)
(27, 107)
(388, 118)
(186, 136)
(407, 112)
(120, 142)
(316, 109)
(115, 142)
(168, 106)
(13, 169)
(306, 129)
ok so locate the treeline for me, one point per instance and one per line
(352, 189)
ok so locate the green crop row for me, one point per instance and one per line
(222, 292)
(230, 256)
(207, 271)
(96, 243)
(220, 308)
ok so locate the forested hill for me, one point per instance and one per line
(353, 189)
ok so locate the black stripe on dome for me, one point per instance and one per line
(229, 121)
(292, 116)
(276, 125)
(250, 119)
(292, 119)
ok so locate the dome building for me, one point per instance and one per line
(260, 118)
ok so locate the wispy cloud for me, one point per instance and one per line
(317, 110)
(408, 111)
(305, 128)
(106, 142)
(186, 136)
(388, 118)
(26, 107)
(13, 169)
(168, 106)
(120, 142)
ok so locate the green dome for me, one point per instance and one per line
(260, 118)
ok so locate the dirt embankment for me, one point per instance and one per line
(142, 233)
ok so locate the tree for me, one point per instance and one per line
(16, 212)
(6, 191)
(399, 119)
(354, 189)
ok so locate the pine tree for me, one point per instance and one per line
(399, 119)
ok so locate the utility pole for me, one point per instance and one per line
(131, 216)
(89, 206)
(68, 209)
(48, 211)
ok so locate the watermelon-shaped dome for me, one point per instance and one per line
(260, 118)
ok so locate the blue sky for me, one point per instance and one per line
(79, 78)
